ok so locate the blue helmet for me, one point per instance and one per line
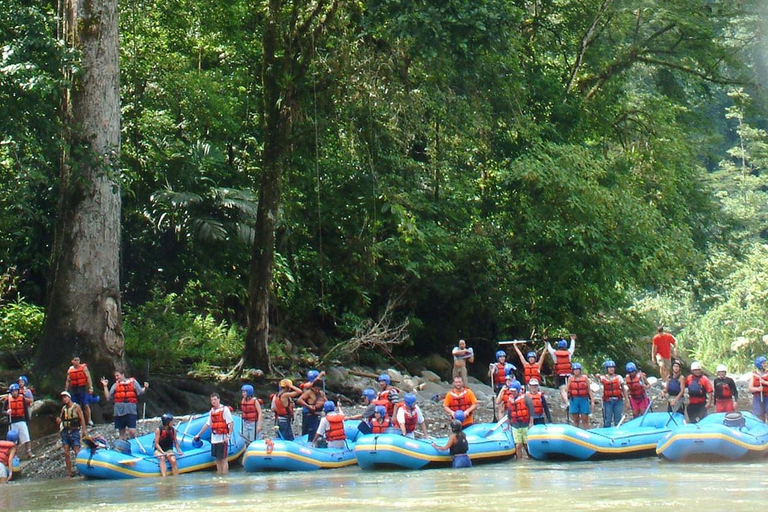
(530, 354)
(12, 436)
(312, 375)
(381, 410)
(248, 389)
(575, 366)
(13, 387)
(369, 394)
(609, 364)
(328, 406)
(631, 367)
(500, 354)
(515, 384)
(409, 399)
(23, 378)
(459, 415)
(384, 378)
(759, 362)
(562, 344)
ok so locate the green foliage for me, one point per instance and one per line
(20, 326)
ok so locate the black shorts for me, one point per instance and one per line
(560, 380)
(219, 451)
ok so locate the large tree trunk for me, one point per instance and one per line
(83, 313)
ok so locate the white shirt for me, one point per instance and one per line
(227, 416)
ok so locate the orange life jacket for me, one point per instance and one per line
(385, 398)
(499, 374)
(518, 411)
(248, 410)
(578, 387)
(636, 389)
(77, 377)
(562, 363)
(505, 394)
(411, 417)
(218, 425)
(5, 451)
(756, 383)
(280, 409)
(335, 430)
(125, 392)
(611, 389)
(18, 408)
(378, 428)
(531, 371)
(538, 406)
(459, 402)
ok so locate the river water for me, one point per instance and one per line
(640, 484)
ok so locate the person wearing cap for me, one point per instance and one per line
(7, 453)
(311, 402)
(462, 354)
(726, 394)
(80, 385)
(457, 445)
(460, 398)
(663, 350)
(699, 393)
(331, 427)
(580, 399)
(540, 405)
(282, 406)
(520, 417)
(220, 422)
(17, 407)
(72, 426)
(562, 357)
(124, 393)
(758, 386)
(165, 441)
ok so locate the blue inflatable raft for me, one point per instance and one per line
(300, 455)
(488, 442)
(636, 438)
(720, 436)
(139, 461)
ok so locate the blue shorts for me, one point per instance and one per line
(70, 438)
(579, 405)
(462, 461)
(759, 404)
(127, 421)
(79, 395)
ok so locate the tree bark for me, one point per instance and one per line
(83, 313)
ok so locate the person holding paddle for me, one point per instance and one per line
(531, 367)
(165, 440)
(758, 386)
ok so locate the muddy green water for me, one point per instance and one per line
(644, 484)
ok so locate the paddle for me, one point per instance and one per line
(493, 400)
(496, 427)
(621, 421)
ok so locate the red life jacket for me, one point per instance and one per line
(218, 425)
(531, 371)
(77, 377)
(378, 428)
(636, 389)
(5, 451)
(125, 392)
(499, 374)
(756, 383)
(722, 389)
(411, 417)
(280, 409)
(578, 387)
(538, 406)
(611, 389)
(562, 363)
(518, 410)
(335, 430)
(18, 408)
(167, 438)
(248, 410)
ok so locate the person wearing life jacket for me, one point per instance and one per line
(7, 453)
(637, 389)
(17, 407)
(502, 398)
(282, 406)
(758, 386)
(498, 371)
(562, 359)
(124, 393)
(72, 427)
(674, 389)
(312, 376)
(388, 395)
(457, 445)
(699, 393)
(580, 399)
(380, 421)
(25, 391)
(531, 364)
(80, 386)
(220, 422)
(165, 441)
(614, 393)
(520, 418)
(366, 417)
(311, 402)
(460, 398)
(726, 395)
(541, 414)
(250, 412)
(409, 415)
(462, 354)
(331, 427)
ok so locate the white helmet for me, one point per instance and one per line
(695, 365)
(721, 368)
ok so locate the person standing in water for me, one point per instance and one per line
(220, 422)
(457, 445)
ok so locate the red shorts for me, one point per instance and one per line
(724, 405)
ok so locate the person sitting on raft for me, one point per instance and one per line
(457, 444)
(408, 415)
(637, 386)
(165, 440)
(368, 396)
(331, 427)
(461, 399)
(380, 421)
(726, 394)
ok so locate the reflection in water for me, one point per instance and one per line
(644, 484)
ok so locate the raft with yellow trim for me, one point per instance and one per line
(719, 436)
(488, 442)
(135, 458)
(300, 454)
(635, 438)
